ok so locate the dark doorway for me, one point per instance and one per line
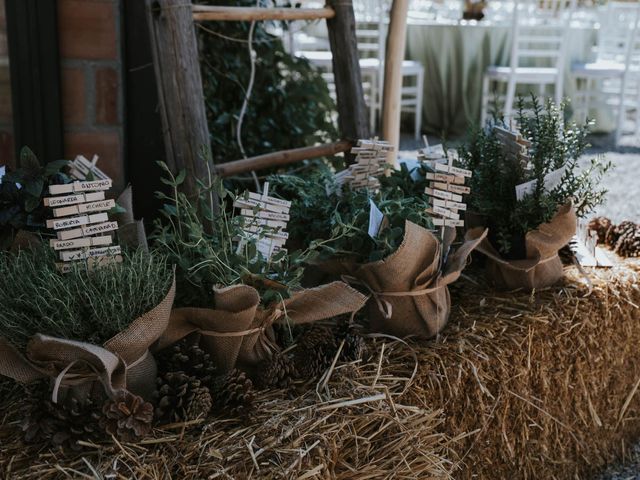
(34, 71)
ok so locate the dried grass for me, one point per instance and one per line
(547, 380)
(354, 426)
(540, 385)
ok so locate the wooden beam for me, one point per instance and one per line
(143, 119)
(392, 95)
(283, 157)
(32, 30)
(180, 94)
(352, 109)
(248, 14)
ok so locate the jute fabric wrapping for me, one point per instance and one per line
(123, 362)
(543, 266)
(131, 232)
(409, 294)
(238, 331)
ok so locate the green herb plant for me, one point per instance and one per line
(335, 222)
(495, 175)
(84, 305)
(210, 257)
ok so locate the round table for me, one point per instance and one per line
(455, 57)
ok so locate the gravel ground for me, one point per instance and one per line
(622, 182)
(623, 203)
(627, 470)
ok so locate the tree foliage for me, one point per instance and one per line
(290, 105)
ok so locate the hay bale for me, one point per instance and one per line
(547, 380)
(540, 385)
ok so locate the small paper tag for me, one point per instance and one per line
(376, 217)
(551, 181)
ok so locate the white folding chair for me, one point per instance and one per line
(538, 51)
(371, 31)
(612, 79)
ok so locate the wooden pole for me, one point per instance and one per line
(352, 110)
(180, 93)
(283, 157)
(396, 41)
(248, 14)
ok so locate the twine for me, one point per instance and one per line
(74, 379)
(385, 307)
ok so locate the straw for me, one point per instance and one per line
(519, 385)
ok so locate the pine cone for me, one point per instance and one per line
(277, 372)
(628, 244)
(600, 225)
(61, 424)
(285, 334)
(616, 231)
(189, 358)
(354, 345)
(233, 393)
(179, 396)
(200, 404)
(315, 351)
(127, 417)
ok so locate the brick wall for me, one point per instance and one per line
(6, 119)
(92, 85)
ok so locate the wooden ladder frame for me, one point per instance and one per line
(181, 96)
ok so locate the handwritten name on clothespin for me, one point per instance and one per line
(431, 154)
(371, 161)
(584, 246)
(83, 169)
(446, 189)
(81, 220)
(264, 220)
(514, 145)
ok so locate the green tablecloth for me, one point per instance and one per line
(455, 58)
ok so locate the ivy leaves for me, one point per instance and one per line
(290, 105)
(21, 193)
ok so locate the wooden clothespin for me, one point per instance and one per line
(81, 221)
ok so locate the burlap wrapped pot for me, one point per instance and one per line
(239, 331)
(409, 294)
(131, 232)
(123, 362)
(542, 267)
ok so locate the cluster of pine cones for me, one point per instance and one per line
(188, 388)
(623, 238)
(315, 349)
(128, 417)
